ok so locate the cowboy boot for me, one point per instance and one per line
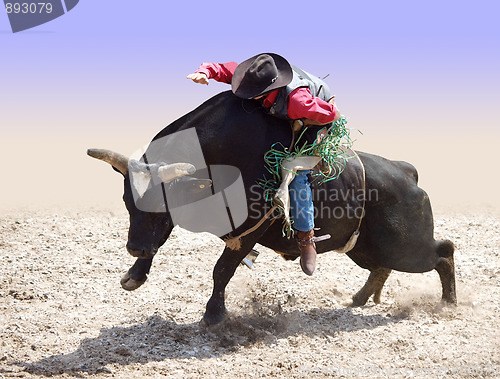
(307, 251)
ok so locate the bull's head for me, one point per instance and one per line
(149, 228)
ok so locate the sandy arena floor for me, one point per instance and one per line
(64, 314)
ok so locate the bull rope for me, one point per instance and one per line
(332, 145)
(332, 148)
(354, 237)
(234, 243)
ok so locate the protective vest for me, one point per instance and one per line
(300, 78)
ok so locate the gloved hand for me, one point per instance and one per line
(337, 113)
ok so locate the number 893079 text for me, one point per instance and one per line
(28, 8)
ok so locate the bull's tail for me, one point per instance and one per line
(445, 248)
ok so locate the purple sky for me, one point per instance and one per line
(386, 54)
(398, 68)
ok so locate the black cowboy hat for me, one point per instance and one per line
(260, 74)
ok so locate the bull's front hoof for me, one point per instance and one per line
(213, 319)
(130, 284)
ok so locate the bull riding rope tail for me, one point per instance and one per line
(330, 148)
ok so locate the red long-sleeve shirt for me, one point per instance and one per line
(301, 103)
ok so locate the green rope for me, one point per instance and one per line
(333, 149)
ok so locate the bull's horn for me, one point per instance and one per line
(173, 171)
(118, 161)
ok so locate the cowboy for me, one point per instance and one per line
(287, 92)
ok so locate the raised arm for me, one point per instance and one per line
(221, 72)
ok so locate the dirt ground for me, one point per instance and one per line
(64, 314)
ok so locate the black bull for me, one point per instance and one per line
(396, 231)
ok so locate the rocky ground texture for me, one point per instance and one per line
(64, 314)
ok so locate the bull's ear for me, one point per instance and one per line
(170, 172)
(118, 161)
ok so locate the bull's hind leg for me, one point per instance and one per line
(446, 270)
(373, 286)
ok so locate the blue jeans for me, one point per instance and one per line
(301, 204)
